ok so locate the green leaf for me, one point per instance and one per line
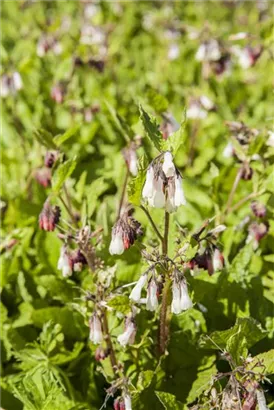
(157, 101)
(62, 173)
(45, 138)
(152, 129)
(246, 328)
(120, 303)
(263, 363)
(120, 123)
(175, 140)
(59, 139)
(204, 377)
(169, 401)
(240, 265)
(237, 347)
(136, 184)
(145, 379)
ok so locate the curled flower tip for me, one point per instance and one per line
(135, 294)
(168, 165)
(128, 336)
(258, 209)
(124, 233)
(95, 334)
(101, 354)
(152, 296)
(65, 262)
(49, 217)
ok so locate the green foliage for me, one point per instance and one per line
(48, 362)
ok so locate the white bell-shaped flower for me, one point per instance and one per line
(228, 150)
(127, 402)
(133, 163)
(186, 302)
(176, 298)
(135, 294)
(179, 197)
(168, 165)
(95, 334)
(17, 81)
(116, 246)
(128, 336)
(217, 260)
(148, 188)
(152, 299)
(65, 263)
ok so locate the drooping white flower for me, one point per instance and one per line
(135, 294)
(152, 300)
(128, 336)
(116, 246)
(196, 111)
(186, 302)
(127, 401)
(208, 51)
(206, 102)
(157, 200)
(179, 197)
(217, 260)
(17, 81)
(228, 150)
(95, 334)
(148, 187)
(65, 263)
(168, 165)
(180, 297)
(175, 195)
(270, 141)
(176, 298)
(173, 52)
(133, 163)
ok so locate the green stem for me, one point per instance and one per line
(152, 223)
(164, 326)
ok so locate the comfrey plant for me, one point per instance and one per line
(165, 285)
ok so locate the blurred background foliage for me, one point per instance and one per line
(122, 61)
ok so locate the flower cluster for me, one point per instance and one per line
(70, 261)
(49, 216)
(163, 185)
(180, 297)
(10, 84)
(48, 43)
(124, 233)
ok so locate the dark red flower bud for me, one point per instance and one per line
(99, 65)
(101, 354)
(50, 158)
(246, 172)
(78, 260)
(119, 404)
(49, 217)
(258, 231)
(57, 93)
(43, 176)
(258, 209)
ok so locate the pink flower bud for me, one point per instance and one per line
(258, 209)
(43, 176)
(49, 217)
(50, 158)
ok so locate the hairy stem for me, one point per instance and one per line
(164, 327)
(123, 195)
(73, 219)
(233, 190)
(165, 238)
(152, 223)
(112, 355)
(163, 330)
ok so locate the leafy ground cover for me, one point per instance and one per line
(137, 205)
